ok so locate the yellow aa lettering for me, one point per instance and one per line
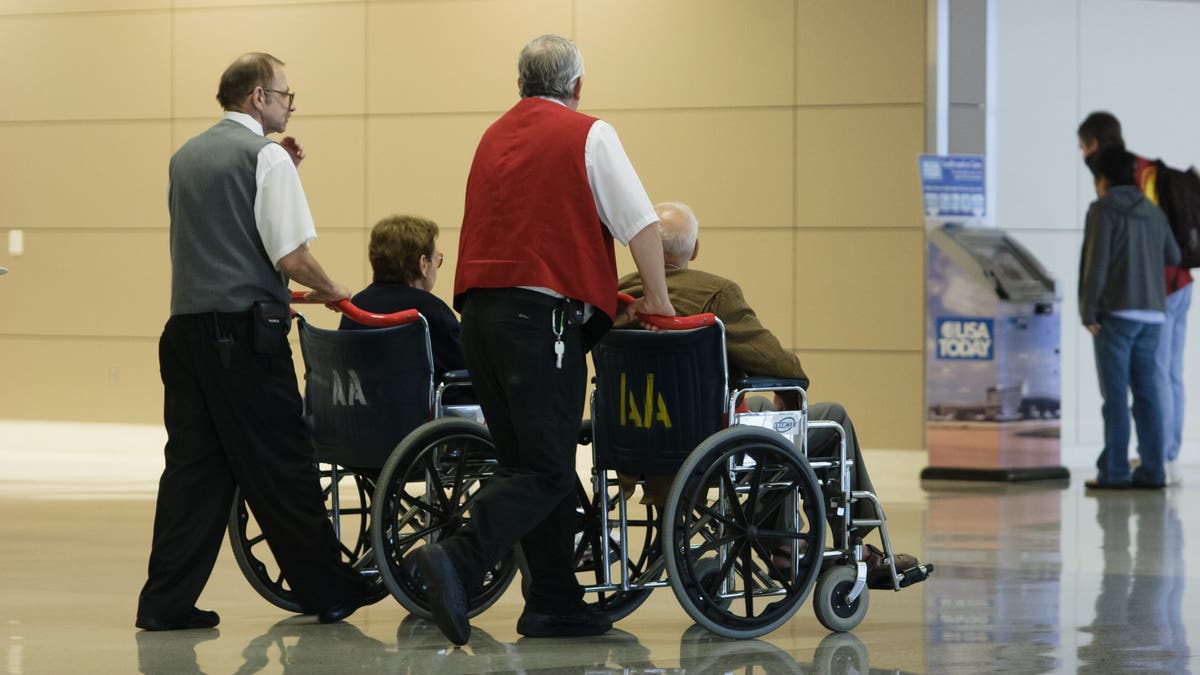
(662, 415)
(642, 415)
(648, 418)
(621, 400)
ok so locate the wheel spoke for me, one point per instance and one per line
(731, 497)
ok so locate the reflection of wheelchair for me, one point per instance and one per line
(398, 465)
(743, 528)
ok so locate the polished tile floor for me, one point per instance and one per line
(1030, 579)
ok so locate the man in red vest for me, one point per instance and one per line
(536, 283)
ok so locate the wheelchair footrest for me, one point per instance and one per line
(914, 575)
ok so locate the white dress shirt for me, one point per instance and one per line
(280, 206)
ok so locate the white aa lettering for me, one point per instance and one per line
(348, 394)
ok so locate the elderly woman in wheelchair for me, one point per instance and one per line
(401, 447)
(404, 267)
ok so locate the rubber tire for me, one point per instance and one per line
(253, 568)
(829, 599)
(410, 450)
(709, 454)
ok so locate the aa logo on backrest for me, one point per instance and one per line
(348, 392)
(645, 413)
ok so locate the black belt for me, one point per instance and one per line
(525, 295)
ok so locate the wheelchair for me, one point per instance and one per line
(751, 526)
(399, 464)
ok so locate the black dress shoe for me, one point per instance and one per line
(197, 618)
(447, 597)
(578, 623)
(369, 593)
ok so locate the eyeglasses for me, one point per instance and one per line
(437, 259)
(291, 95)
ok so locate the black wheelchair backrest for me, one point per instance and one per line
(657, 396)
(365, 390)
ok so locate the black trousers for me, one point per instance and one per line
(533, 411)
(235, 419)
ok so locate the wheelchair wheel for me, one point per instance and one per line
(830, 605)
(741, 497)
(424, 491)
(352, 493)
(642, 554)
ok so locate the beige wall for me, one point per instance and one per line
(791, 126)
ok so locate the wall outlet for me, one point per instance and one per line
(16, 242)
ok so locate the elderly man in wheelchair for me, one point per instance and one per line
(830, 444)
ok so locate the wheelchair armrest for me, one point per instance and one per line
(456, 376)
(767, 382)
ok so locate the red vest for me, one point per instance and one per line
(530, 218)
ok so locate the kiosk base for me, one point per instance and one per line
(1010, 475)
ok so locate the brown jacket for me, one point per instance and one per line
(752, 349)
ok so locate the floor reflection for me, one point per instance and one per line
(171, 653)
(1030, 579)
(1138, 623)
(995, 596)
(297, 646)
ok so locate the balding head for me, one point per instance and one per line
(679, 229)
(249, 71)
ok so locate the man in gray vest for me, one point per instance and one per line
(240, 227)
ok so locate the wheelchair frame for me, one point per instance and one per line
(841, 600)
(374, 548)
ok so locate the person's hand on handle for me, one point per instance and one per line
(294, 149)
(646, 247)
(329, 296)
(649, 305)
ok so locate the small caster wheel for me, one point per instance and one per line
(830, 605)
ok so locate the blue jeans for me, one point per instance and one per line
(1169, 360)
(1124, 362)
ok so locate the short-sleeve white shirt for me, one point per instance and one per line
(621, 199)
(280, 206)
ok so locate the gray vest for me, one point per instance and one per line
(218, 263)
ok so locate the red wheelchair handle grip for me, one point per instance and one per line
(670, 322)
(361, 315)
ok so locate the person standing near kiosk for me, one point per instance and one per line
(1122, 300)
(1102, 129)
(549, 190)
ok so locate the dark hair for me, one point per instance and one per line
(397, 244)
(255, 69)
(1114, 163)
(1102, 127)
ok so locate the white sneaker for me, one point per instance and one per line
(1172, 473)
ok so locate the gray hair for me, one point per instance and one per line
(549, 66)
(678, 230)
